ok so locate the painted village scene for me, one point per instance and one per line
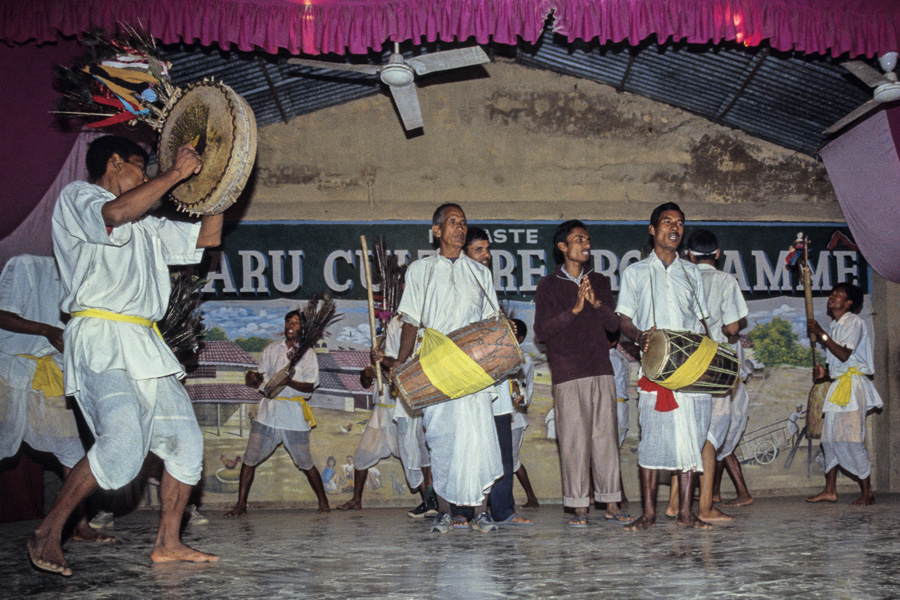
(776, 452)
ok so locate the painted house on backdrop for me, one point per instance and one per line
(339, 386)
(215, 384)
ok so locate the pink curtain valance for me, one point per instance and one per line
(857, 27)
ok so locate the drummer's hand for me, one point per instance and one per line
(187, 161)
(813, 328)
(253, 379)
(819, 373)
(376, 354)
(644, 341)
(54, 335)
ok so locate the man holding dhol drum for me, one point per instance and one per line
(664, 291)
(113, 261)
(444, 292)
(574, 309)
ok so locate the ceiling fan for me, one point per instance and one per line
(399, 74)
(887, 89)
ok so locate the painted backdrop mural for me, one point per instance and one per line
(266, 269)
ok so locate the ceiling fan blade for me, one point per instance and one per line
(861, 110)
(866, 73)
(407, 102)
(448, 59)
(321, 64)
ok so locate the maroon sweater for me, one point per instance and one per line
(576, 344)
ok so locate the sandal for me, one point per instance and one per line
(578, 522)
(460, 522)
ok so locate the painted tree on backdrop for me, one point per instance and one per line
(775, 343)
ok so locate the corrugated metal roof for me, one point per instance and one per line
(785, 98)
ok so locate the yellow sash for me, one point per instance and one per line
(307, 411)
(111, 316)
(693, 367)
(48, 377)
(621, 399)
(448, 368)
(841, 395)
(383, 405)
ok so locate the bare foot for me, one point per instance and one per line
(324, 508)
(693, 521)
(715, 516)
(84, 533)
(532, 503)
(717, 498)
(823, 497)
(671, 511)
(351, 504)
(180, 553)
(236, 512)
(47, 556)
(740, 501)
(864, 500)
(643, 522)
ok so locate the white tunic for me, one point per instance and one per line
(525, 378)
(286, 414)
(465, 455)
(122, 271)
(851, 332)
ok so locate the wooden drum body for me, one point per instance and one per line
(815, 416)
(668, 350)
(222, 128)
(490, 343)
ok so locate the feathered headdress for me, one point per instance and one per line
(119, 78)
(390, 274)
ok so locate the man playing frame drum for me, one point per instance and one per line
(444, 292)
(664, 291)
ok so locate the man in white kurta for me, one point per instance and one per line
(285, 419)
(664, 291)
(113, 260)
(444, 292)
(851, 394)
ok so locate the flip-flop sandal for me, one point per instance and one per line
(620, 517)
(578, 522)
(460, 522)
(510, 520)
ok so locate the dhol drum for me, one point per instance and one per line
(669, 350)
(221, 126)
(815, 417)
(490, 343)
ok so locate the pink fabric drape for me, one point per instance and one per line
(864, 167)
(860, 27)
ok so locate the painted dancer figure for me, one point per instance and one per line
(444, 292)
(286, 419)
(33, 408)
(666, 292)
(727, 309)
(851, 396)
(113, 260)
(574, 309)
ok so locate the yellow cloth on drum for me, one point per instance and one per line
(448, 368)
(48, 377)
(841, 395)
(111, 316)
(694, 367)
(307, 411)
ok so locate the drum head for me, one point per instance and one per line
(221, 126)
(653, 361)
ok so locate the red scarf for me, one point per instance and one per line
(665, 398)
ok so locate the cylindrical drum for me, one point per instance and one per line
(669, 350)
(490, 343)
(221, 126)
(814, 410)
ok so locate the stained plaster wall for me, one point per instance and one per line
(517, 143)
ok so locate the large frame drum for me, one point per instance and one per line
(668, 350)
(490, 343)
(815, 417)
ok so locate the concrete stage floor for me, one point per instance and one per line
(777, 548)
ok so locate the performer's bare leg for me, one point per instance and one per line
(686, 518)
(829, 494)
(733, 466)
(717, 481)
(867, 498)
(84, 532)
(174, 497)
(522, 476)
(315, 481)
(707, 511)
(359, 483)
(45, 546)
(649, 484)
(672, 506)
(247, 473)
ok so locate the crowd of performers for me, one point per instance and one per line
(111, 276)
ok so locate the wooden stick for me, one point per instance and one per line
(368, 270)
(807, 290)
